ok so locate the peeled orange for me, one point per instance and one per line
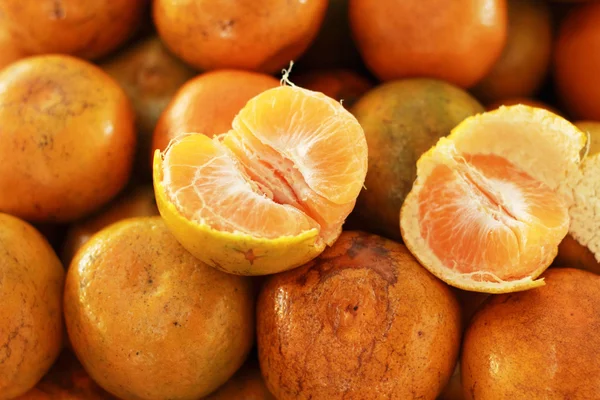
(491, 201)
(270, 194)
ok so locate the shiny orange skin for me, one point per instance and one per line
(138, 202)
(208, 103)
(457, 41)
(150, 75)
(246, 384)
(68, 138)
(340, 84)
(31, 326)
(67, 380)
(576, 62)
(525, 60)
(361, 320)
(536, 344)
(522, 100)
(257, 35)
(171, 327)
(87, 29)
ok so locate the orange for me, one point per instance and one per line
(271, 193)
(592, 128)
(362, 321)
(67, 380)
(491, 201)
(208, 103)
(402, 120)
(11, 51)
(576, 61)
(88, 29)
(67, 137)
(150, 75)
(149, 321)
(537, 344)
(339, 84)
(457, 41)
(31, 286)
(246, 384)
(522, 100)
(525, 60)
(258, 35)
(138, 202)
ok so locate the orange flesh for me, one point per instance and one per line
(485, 217)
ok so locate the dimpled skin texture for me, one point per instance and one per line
(258, 35)
(402, 120)
(362, 321)
(68, 138)
(87, 29)
(149, 321)
(457, 41)
(31, 285)
(537, 344)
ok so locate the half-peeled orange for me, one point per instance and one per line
(491, 201)
(270, 194)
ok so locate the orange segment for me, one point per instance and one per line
(291, 167)
(491, 201)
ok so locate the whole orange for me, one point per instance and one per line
(457, 41)
(149, 321)
(524, 63)
(68, 138)
(577, 61)
(258, 35)
(362, 321)
(208, 103)
(31, 286)
(88, 29)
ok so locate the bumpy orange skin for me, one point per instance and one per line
(401, 121)
(31, 328)
(263, 35)
(537, 344)
(150, 75)
(525, 60)
(360, 320)
(576, 65)
(139, 202)
(457, 41)
(208, 103)
(340, 84)
(149, 321)
(87, 29)
(67, 380)
(246, 384)
(68, 138)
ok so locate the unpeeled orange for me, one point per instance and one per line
(271, 193)
(491, 202)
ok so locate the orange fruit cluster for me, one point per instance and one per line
(299, 199)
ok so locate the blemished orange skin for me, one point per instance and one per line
(87, 29)
(522, 100)
(138, 202)
(31, 324)
(67, 380)
(576, 65)
(457, 41)
(150, 75)
(171, 327)
(402, 120)
(68, 138)
(257, 35)
(536, 344)
(525, 60)
(208, 103)
(246, 384)
(340, 84)
(361, 320)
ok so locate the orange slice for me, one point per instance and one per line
(491, 201)
(270, 194)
